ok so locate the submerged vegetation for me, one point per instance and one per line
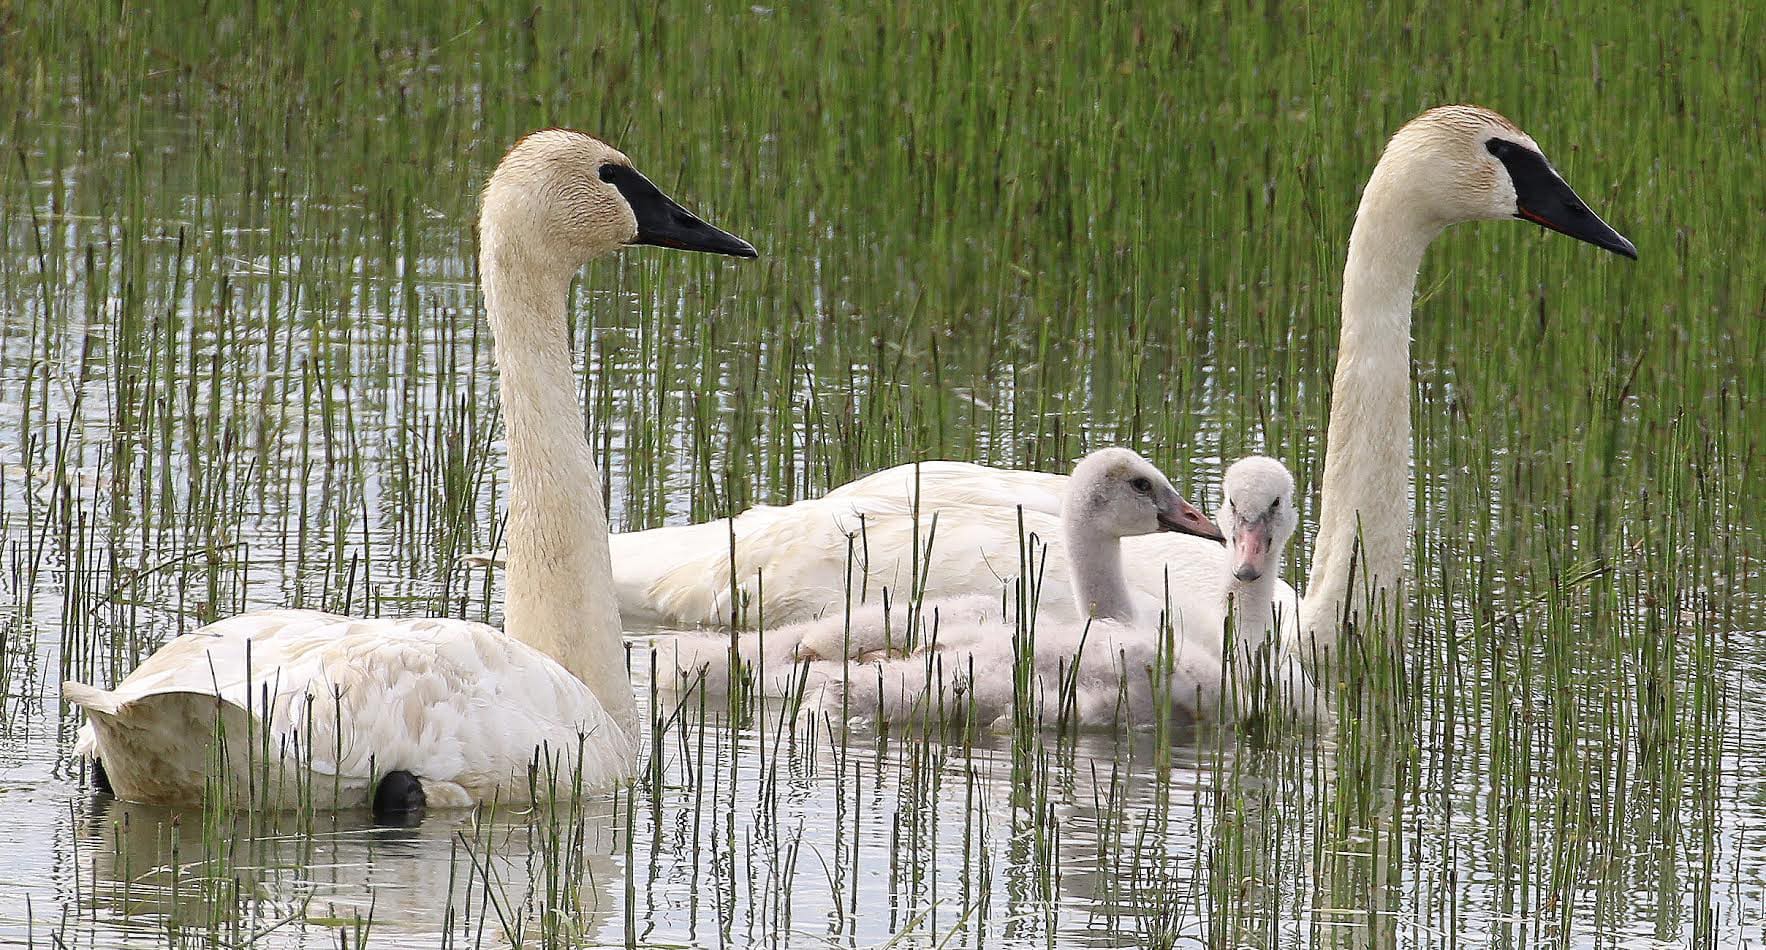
(243, 363)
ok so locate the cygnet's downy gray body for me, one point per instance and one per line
(956, 657)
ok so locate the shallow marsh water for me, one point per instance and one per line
(242, 364)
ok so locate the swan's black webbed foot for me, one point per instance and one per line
(398, 799)
(101, 778)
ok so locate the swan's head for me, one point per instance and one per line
(1117, 493)
(1467, 163)
(1257, 516)
(562, 198)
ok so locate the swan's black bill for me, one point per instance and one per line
(662, 223)
(1544, 198)
(1189, 520)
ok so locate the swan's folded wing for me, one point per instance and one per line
(453, 700)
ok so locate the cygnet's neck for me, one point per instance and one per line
(1254, 606)
(560, 597)
(1365, 493)
(1094, 564)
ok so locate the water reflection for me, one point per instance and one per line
(240, 876)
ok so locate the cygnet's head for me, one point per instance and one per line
(1118, 493)
(562, 197)
(1467, 163)
(1257, 516)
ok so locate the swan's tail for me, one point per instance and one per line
(678, 574)
(96, 702)
(90, 698)
(180, 747)
(662, 576)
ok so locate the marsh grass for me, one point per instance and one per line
(242, 364)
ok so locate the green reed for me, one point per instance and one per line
(242, 363)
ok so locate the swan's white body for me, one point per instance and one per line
(1106, 663)
(295, 708)
(454, 702)
(680, 575)
(1453, 164)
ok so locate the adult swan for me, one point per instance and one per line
(299, 708)
(1451, 164)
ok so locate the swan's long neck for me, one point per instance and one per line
(1094, 563)
(560, 597)
(1364, 518)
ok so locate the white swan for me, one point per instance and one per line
(1104, 665)
(298, 708)
(1451, 164)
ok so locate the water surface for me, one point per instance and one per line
(242, 365)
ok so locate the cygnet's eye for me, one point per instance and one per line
(1275, 505)
(1142, 485)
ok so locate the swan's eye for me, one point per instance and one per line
(1275, 505)
(1141, 485)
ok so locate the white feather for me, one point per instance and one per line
(322, 705)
